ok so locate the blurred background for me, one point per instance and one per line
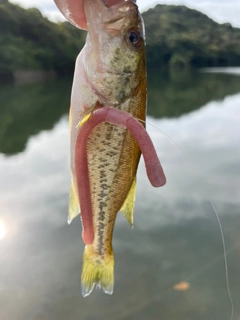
(171, 264)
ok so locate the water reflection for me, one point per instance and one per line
(177, 93)
(26, 110)
(29, 109)
(175, 242)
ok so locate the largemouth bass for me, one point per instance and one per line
(110, 77)
(110, 71)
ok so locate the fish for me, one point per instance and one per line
(110, 77)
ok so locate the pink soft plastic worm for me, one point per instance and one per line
(126, 120)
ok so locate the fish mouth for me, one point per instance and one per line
(119, 12)
(109, 16)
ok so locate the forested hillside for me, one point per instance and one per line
(178, 37)
(28, 41)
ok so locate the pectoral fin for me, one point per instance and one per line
(74, 207)
(128, 206)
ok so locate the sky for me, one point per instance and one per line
(219, 10)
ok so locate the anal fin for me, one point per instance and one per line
(128, 206)
(74, 206)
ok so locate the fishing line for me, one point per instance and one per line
(152, 125)
(225, 260)
(220, 228)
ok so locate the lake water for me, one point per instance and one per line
(170, 266)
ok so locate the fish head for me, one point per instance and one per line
(115, 50)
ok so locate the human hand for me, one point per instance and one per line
(73, 10)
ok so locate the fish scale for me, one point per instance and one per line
(106, 177)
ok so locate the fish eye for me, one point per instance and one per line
(135, 38)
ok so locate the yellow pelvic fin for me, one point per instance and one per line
(74, 207)
(83, 120)
(128, 206)
(97, 270)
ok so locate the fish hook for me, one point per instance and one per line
(105, 3)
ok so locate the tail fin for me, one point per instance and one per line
(97, 269)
